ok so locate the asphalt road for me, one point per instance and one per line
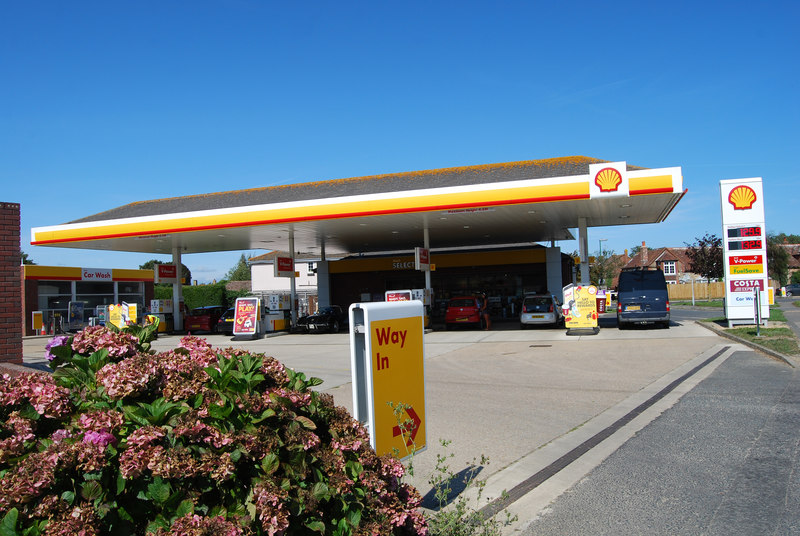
(723, 460)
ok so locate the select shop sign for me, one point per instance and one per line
(746, 285)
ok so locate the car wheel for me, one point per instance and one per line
(789, 294)
(665, 324)
(335, 326)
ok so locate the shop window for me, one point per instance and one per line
(94, 287)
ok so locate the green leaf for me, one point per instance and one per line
(68, 496)
(354, 516)
(29, 412)
(91, 490)
(306, 422)
(316, 526)
(353, 469)
(320, 491)
(158, 523)
(270, 463)
(72, 376)
(120, 483)
(186, 507)
(266, 414)
(159, 491)
(8, 527)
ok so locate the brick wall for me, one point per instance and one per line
(10, 288)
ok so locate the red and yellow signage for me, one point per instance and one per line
(398, 389)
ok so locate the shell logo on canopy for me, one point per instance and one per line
(608, 179)
(742, 198)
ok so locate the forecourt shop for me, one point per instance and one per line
(477, 223)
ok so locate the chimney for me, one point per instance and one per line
(645, 260)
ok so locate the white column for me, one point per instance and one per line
(555, 284)
(426, 243)
(177, 291)
(583, 244)
(293, 294)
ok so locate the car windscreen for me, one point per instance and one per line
(638, 281)
(466, 302)
(541, 301)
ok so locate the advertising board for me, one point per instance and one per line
(580, 306)
(245, 318)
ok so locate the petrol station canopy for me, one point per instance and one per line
(472, 206)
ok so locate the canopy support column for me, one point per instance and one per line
(583, 244)
(177, 290)
(292, 282)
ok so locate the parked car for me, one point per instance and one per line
(225, 322)
(540, 309)
(793, 290)
(328, 319)
(463, 311)
(642, 298)
(204, 318)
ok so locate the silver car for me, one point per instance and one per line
(540, 309)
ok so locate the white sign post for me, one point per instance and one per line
(387, 364)
(744, 243)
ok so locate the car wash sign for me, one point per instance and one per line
(744, 241)
(387, 360)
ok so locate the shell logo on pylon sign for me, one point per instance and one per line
(742, 198)
(608, 179)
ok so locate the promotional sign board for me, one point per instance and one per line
(398, 295)
(744, 242)
(387, 359)
(245, 318)
(165, 273)
(37, 320)
(284, 267)
(422, 259)
(75, 315)
(115, 315)
(580, 306)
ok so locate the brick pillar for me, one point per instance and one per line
(10, 287)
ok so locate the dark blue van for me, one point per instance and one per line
(642, 298)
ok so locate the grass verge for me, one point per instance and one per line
(778, 339)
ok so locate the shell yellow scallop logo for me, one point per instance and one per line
(608, 179)
(742, 198)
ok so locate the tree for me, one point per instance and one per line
(705, 256)
(185, 273)
(605, 268)
(240, 272)
(24, 258)
(777, 260)
(783, 238)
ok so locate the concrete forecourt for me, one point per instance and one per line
(525, 399)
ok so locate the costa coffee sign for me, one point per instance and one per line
(746, 285)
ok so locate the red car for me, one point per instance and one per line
(203, 318)
(463, 311)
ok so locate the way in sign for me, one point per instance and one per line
(386, 336)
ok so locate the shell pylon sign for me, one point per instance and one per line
(744, 242)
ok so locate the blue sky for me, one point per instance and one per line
(106, 103)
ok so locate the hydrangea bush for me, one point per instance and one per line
(194, 441)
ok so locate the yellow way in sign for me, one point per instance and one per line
(398, 381)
